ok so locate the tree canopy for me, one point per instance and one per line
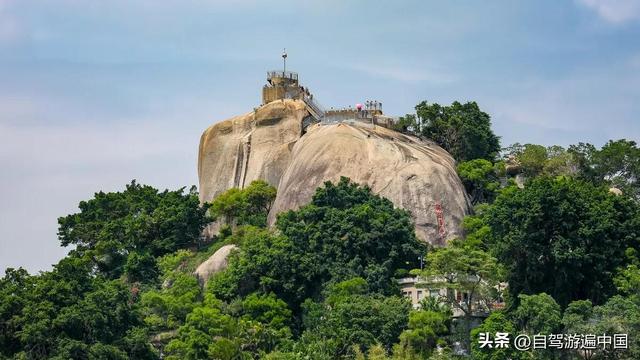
(464, 270)
(345, 232)
(480, 179)
(68, 313)
(322, 283)
(616, 164)
(88, 306)
(125, 231)
(561, 236)
(461, 129)
(248, 206)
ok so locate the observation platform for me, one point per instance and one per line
(285, 85)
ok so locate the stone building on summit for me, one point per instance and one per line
(296, 145)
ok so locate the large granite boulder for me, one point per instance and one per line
(269, 144)
(215, 263)
(256, 145)
(415, 175)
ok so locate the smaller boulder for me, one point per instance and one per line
(615, 191)
(215, 263)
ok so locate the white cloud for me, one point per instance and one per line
(615, 11)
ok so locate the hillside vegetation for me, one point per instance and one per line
(321, 283)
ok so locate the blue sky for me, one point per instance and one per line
(96, 93)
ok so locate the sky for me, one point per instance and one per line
(96, 93)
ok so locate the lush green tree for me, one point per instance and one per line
(476, 229)
(441, 355)
(88, 305)
(470, 277)
(340, 291)
(229, 205)
(248, 206)
(616, 164)
(628, 280)
(141, 267)
(576, 317)
(530, 157)
(92, 304)
(480, 179)
(279, 355)
(377, 352)
(103, 315)
(497, 322)
(425, 329)
(262, 263)
(68, 313)
(137, 345)
(619, 315)
(538, 314)
(268, 320)
(355, 319)
(577, 320)
(50, 294)
(561, 236)
(101, 351)
(435, 304)
(359, 233)
(260, 196)
(534, 160)
(345, 232)
(461, 129)
(174, 263)
(259, 324)
(15, 294)
(140, 220)
(267, 309)
(207, 332)
(167, 308)
(407, 124)
(582, 154)
(560, 162)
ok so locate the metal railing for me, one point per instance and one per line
(315, 108)
(282, 74)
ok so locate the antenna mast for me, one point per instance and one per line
(284, 60)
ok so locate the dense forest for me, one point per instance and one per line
(558, 227)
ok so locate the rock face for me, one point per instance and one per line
(256, 145)
(215, 263)
(415, 175)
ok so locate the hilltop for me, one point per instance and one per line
(294, 145)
